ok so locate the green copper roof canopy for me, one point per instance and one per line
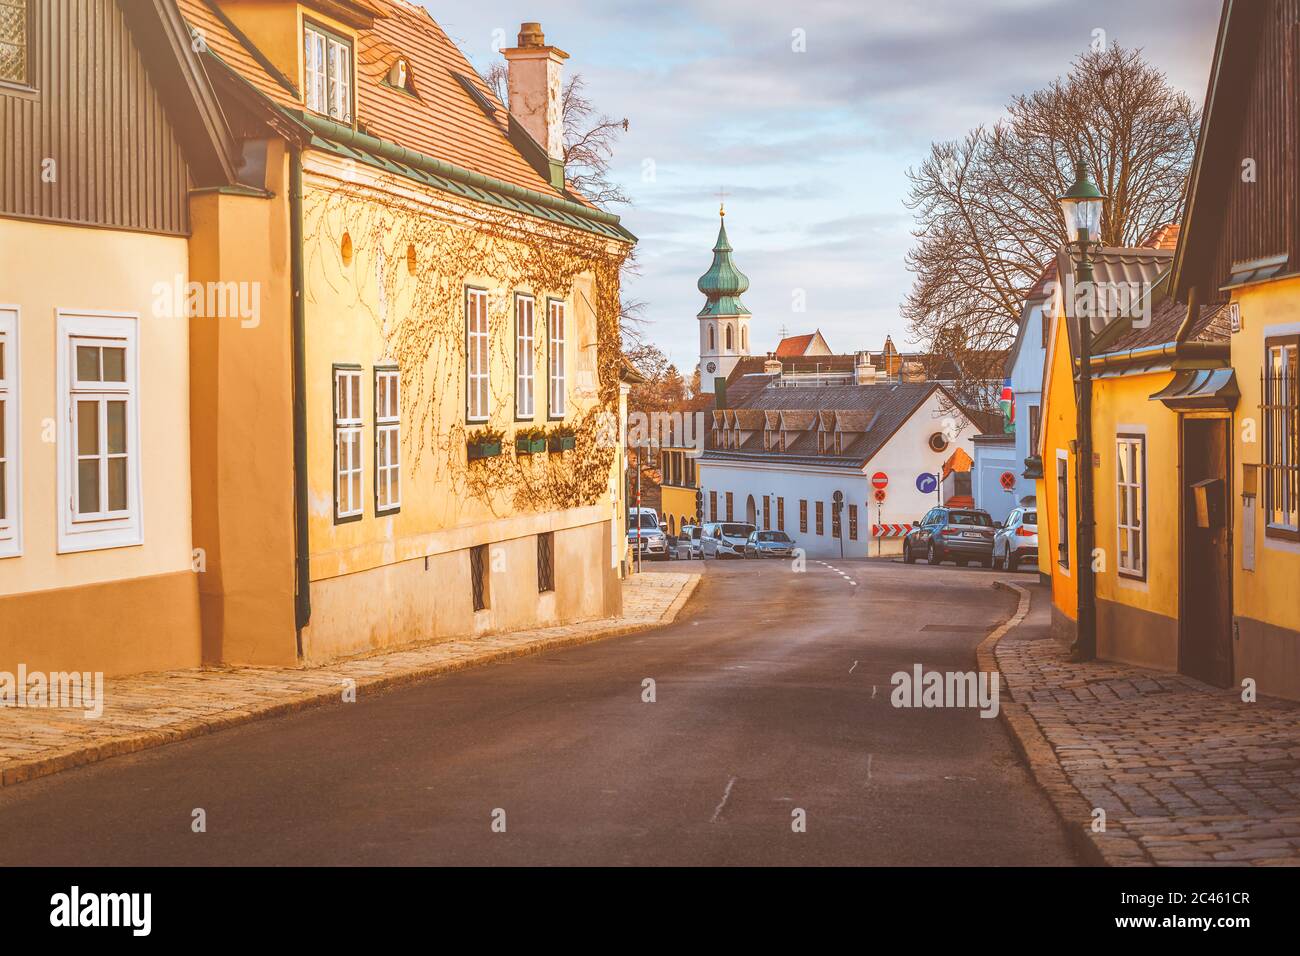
(723, 283)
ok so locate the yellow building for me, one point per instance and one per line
(1239, 247)
(1160, 385)
(97, 559)
(419, 439)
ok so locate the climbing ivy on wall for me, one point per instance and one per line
(410, 266)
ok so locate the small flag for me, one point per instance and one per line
(1008, 403)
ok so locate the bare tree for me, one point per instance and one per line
(987, 219)
(589, 137)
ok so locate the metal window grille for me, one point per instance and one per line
(478, 574)
(546, 561)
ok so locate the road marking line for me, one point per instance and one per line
(855, 664)
(725, 795)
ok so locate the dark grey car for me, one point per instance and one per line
(962, 535)
(769, 544)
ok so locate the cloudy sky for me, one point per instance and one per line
(813, 146)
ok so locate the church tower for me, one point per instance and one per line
(724, 320)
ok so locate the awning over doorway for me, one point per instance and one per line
(1200, 388)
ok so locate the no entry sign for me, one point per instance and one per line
(879, 480)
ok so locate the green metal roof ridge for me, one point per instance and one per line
(402, 160)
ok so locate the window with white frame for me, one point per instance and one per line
(1130, 503)
(476, 355)
(1062, 509)
(555, 352)
(99, 464)
(327, 68)
(524, 357)
(10, 507)
(1281, 459)
(347, 443)
(388, 454)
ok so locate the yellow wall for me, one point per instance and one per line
(1058, 430)
(242, 400)
(680, 502)
(1267, 645)
(447, 503)
(93, 626)
(1123, 405)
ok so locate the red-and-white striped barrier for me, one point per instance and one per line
(890, 530)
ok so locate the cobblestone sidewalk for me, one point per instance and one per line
(1188, 774)
(149, 710)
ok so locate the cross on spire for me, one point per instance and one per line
(722, 195)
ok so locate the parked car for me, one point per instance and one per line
(725, 539)
(1016, 542)
(769, 544)
(688, 542)
(962, 535)
(652, 539)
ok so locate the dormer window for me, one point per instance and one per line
(400, 75)
(327, 69)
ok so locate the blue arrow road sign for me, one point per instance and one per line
(926, 482)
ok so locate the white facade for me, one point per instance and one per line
(995, 456)
(1027, 386)
(723, 340)
(904, 458)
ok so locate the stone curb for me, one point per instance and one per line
(20, 771)
(1074, 812)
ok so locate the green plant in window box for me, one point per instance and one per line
(530, 442)
(561, 438)
(484, 443)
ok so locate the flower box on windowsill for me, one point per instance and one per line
(562, 442)
(530, 446)
(483, 449)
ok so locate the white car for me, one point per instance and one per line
(643, 531)
(689, 543)
(724, 539)
(1016, 541)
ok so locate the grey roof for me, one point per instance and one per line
(888, 407)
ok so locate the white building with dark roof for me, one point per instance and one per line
(777, 454)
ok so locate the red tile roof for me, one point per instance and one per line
(1163, 237)
(793, 345)
(441, 120)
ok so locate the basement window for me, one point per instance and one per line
(546, 562)
(478, 576)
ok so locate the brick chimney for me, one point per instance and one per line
(536, 75)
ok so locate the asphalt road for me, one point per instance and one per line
(772, 696)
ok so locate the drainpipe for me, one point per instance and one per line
(302, 559)
(1184, 330)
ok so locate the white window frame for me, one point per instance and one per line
(556, 386)
(104, 529)
(347, 444)
(325, 91)
(525, 357)
(388, 440)
(11, 445)
(1063, 528)
(478, 362)
(1130, 500)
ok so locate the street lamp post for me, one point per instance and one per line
(1082, 207)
